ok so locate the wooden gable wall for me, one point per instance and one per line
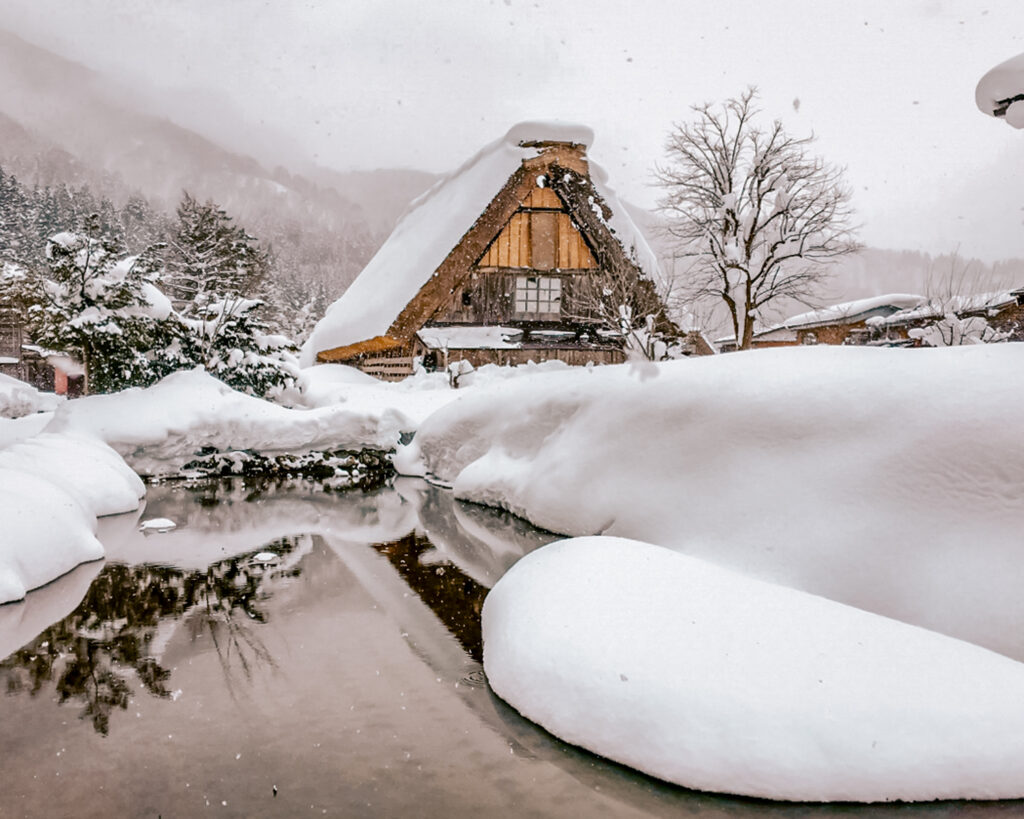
(540, 235)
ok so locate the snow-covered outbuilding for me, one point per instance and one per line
(845, 323)
(490, 265)
(1002, 310)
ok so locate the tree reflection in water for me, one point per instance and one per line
(89, 655)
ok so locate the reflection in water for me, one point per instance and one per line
(88, 655)
(369, 624)
(451, 594)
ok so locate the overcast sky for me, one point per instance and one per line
(887, 86)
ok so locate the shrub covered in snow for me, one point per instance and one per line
(101, 307)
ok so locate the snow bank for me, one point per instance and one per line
(52, 489)
(13, 430)
(46, 532)
(87, 469)
(159, 429)
(434, 225)
(719, 682)
(414, 398)
(886, 479)
(18, 398)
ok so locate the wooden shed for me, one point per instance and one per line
(495, 264)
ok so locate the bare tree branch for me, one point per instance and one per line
(754, 216)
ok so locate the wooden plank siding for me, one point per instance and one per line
(573, 356)
(515, 245)
(490, 293)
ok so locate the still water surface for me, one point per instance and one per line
(341, 676)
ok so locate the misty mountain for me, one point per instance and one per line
(62, 123)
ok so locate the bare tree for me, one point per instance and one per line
(752, 214)
(957, 301)
(620, 300)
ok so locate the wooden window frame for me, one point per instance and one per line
(538, 297)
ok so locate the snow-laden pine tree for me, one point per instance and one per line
(210, 257)
(100, 306)
(215, 270)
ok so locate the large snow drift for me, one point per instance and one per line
(434, 225)
(52, 489)
(159, 429)
(715, 681)
(887, 479)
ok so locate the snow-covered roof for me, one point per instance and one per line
(471, 338)
(849, 311)
(938, 307)
(435, 223)
(1000, 85)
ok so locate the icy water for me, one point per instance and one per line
(288, 652)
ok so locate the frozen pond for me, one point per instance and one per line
(287, 651)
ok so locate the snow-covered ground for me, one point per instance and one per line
(885, 479)
(18, 398)
(889, 480)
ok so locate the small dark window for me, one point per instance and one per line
(467, 298)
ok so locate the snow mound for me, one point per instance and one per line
(718, 682)
(85, 468)
(18, 398)
(159, 429)
(52, 489)
(46, 532)
(885, 479)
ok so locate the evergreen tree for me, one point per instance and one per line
(215, 269)
(210, 258)
(234, 345)
(94, 303)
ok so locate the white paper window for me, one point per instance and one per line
(538, 296)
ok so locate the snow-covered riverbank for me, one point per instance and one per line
(885, 479)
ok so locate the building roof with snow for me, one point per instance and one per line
(482, 216)
(968, 304)
(858, 311)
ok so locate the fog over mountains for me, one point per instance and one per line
(63, 124)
